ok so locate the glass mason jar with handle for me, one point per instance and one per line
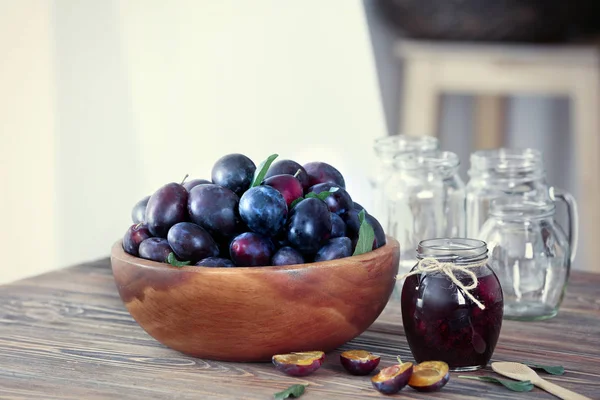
(425, 199)
(531, 255)
(510, 172)
(386, 148)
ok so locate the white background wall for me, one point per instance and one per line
(104, 101)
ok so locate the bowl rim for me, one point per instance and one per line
(117, 252)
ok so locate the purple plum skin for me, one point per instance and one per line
(191, 242)
(338, 202)
(434, 387)
(335, 248)
(234, 171)
(251, 250)
(289, 187)
(378, 229)
(166, 207)
(155, 249)
(338, 226)
(215, 208)
(359, 367)
(393, 384)
(215, 262)
(134, 236)
(287, 256)
(138, 213)
(320, 172)
(189, 185)
(289, 167)
(264, 210)
(309, 226)
(298, 370)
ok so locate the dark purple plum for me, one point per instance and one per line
(338, 226)
(189, 185)
(191, 242)
(359, 362)
(335, 248)
(320, 172)
(339, 202)
(155, 249)
(309, 226)
(378, 229)
(264, 210)
(138, 213)
(215, 262)
(352, 224)
(215, 208)
(358, 207)
(166, 207)
(299, 364)
(429, 376)
(289, 167)
(234, 171)
(287, 185)
(251, 250)
(287, 256)
(392, 379)
(135, 235)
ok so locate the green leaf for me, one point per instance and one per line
(551, 369)
(311, 195)
(292, 391)
(326, 193)
(515, 386)
(366, 235)
(295, 202)
(262, 169)
(171, 259)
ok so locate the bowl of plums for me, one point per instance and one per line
(257, 261)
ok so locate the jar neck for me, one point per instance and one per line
(454, 250)
(507, 165)
(516, 209)
(386, 148)
(444, 164)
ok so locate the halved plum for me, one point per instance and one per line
(429, 376)
(299, 364)
(392, 379)
(359, 362)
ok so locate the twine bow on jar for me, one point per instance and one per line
(429, 265)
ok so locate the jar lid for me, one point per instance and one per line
(456, 250)
(516, 207)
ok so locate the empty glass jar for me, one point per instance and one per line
(386, 149)
(531, 255)
(509, 172)
(425, 199)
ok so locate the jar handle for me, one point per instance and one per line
(573, 215)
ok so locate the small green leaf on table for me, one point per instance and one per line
(515, 386)
(262, 170)
(293, 391)
(551, 369)
(171, 259)
(366, 236)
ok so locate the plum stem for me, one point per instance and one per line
(184, 178)
(297, 173)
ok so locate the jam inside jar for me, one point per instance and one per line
(440, 320)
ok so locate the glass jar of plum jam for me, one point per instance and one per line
(452, 304)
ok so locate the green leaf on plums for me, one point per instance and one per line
(551, 369)
(262, 169)
(515, 386)
(295, 202)
(366, 236)
(293, 391)
(326, 193)
(171, 259)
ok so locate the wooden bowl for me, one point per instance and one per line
(250, 314)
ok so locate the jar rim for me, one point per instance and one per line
(439, 159)
(457, 250)
(398, 144)
(507, 161)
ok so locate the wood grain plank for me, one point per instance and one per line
(66, 335)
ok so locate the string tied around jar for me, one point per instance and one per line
(429, 265)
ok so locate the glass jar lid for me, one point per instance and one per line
(518, 208)
(509, 162)
(390, 146)
(455, 250)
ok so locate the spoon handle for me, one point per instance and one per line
(558, 391)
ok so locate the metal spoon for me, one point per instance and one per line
(524, 373)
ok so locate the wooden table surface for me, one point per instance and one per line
(66, 335)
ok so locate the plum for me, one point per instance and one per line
(358, 207)
(359, 362)
(335, 248)
(155, 249)
(429, 376)
(287, 185)
(215, 208)
(309, 226)
(392, 379)
(138, 213)
(290, 167)
(218, 262)
(299, 364)
(166, 207)
(264, 210)
(352, 224)
(191, 242)
(234, 171)
(287, 256)
(320, 172)
(378, 229)
(189, 185)
(134, 236)
(338, 227)
(338, 202)
(251, 249)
